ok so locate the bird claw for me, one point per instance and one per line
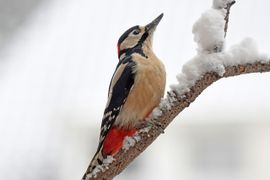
(154, 123)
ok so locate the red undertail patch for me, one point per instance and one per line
(114, 140)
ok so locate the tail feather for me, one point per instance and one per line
(107, 148)
(95, 162)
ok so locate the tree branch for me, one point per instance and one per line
(123, 158)
(178, 101)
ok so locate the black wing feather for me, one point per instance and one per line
(119, 95)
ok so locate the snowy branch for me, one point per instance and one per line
(124, 157)
(209, 65)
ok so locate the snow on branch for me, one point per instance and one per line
(211, 28)
(210, 64)
(243, 53)
(124, 157)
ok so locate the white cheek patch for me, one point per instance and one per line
(130, 42)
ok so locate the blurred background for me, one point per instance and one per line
(56, 61)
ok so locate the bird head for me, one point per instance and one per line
(137, 38)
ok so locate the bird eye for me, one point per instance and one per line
(136, 31)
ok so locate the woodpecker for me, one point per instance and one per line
(136, 88)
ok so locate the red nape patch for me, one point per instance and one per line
(114, 140)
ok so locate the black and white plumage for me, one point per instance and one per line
(120, 86)
(136, 87)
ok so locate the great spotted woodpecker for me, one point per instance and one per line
(136, 87)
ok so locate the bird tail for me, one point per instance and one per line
(96, 163)
(107, 148)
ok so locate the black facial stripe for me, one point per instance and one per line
(137, 48)
(140, 51)
(130, 51)
(125, 35)
(125, 51)
(143, 38)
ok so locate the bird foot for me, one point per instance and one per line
(156, 124)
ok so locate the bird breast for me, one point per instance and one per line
(147, 91)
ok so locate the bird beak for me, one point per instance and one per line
(152, 26)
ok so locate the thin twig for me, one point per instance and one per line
(228, 8)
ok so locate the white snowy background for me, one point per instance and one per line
(55, 68)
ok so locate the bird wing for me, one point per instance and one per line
(120, 86)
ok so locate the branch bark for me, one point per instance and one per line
(123, 158)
